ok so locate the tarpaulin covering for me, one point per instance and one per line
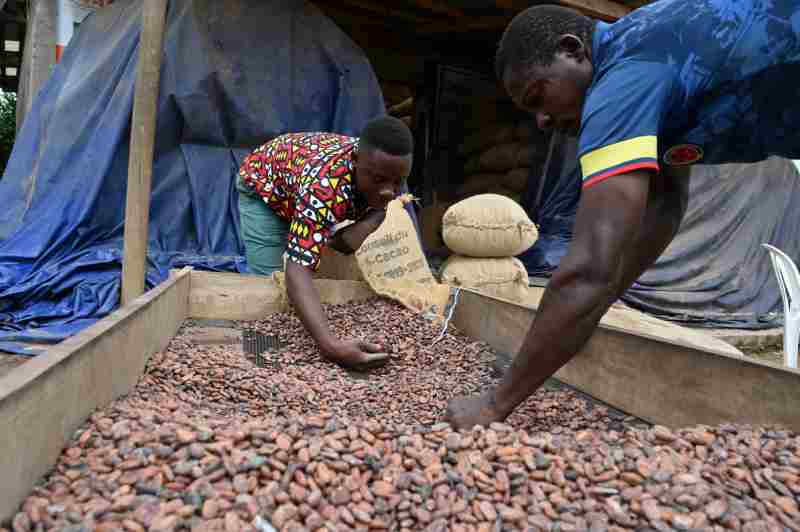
(234, 74)
(715, 273)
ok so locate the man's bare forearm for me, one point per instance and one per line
(305, 299)
(583, 287)
(557, 334)
(348, 239)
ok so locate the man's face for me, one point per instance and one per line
(554, 94)
(380, 176)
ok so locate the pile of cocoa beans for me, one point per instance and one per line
(210, 441)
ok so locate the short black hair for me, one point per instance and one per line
(532, 36)
(387, 134)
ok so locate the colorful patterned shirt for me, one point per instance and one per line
(307, 179)
(693, 81)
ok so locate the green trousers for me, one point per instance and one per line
(263, 232)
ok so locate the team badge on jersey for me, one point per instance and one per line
(683, 155)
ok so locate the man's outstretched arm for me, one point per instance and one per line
(584, 286)
(303, 294)
(348, 239)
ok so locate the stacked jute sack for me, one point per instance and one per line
(498, 159)
(399, 101)
(485, 233)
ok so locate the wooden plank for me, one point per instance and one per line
(9, 362)
(38, 55)
(382, 10)
(233, 297)
(466, 24)
(140, 164)
(602, 9)
(46, 399)
(438, 6)
(652, 369)
(230, 296)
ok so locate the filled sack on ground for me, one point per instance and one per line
(488, 225)
(530, 155)
(478, 184)
(486, 137)
(499, 158)
(516, 180)
(505, 278)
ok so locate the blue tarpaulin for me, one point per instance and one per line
(234, 74)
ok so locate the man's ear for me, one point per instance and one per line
(572, 45)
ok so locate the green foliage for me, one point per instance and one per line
(8, 125)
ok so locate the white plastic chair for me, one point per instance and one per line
(789, 283)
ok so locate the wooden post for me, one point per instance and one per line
(140, 166)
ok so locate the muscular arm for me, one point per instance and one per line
(300, 285)
(355, 354)
(584, 286)
(305, 298)
(348, 239)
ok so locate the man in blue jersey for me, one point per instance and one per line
(672, 84)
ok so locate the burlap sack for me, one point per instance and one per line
(505, 278)
(473, 165)
(499, 158)
(501, 190)
(488, 225)
(476, 118)
(279, 278)
(335, 265)
(478, 184)
(496, 188)
(486, 137)
(486, 109)
(529, 154)
(393, 263)
(516, 180)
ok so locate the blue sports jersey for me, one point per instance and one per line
(693, 81)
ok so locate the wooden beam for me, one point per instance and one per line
(382, 10)
(140, 165)
(438, 6)
(229, 296)
(38, 55)
(602, 9)
(650, 368)
(354, 19)
(484, 23)
(44, 401)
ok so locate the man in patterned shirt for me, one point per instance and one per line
(294, 189)
(673, 83)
